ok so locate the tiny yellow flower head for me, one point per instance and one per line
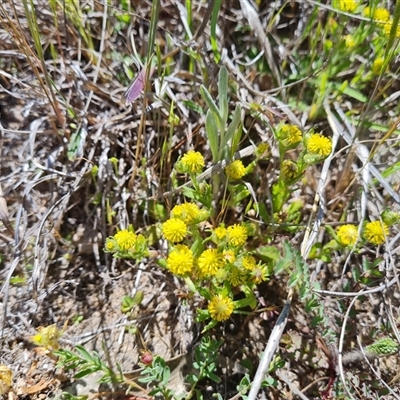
(187, 212)
(210, 261)
(193, 162)
(220, 307)
(174, 230)
(236, 170)
(248, 262)
(236, 276)
(180, 261)
(220, 232)
(289, 135)
(259, 273)
(347, 235)
(319, 145)
(229, 256)
(349, 41)
(289, 170)
(376, 232)
(125, 240)
(111, 245)
(367, 12)
(387, 27)
(263, 151)
(377, 65)
(47, 337)
(348, 5)
(237, 235)
(381, 15)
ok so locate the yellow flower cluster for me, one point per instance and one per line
(289, 169)
(210, 261)
(388, 27)
(187, 212)
(319, 145)
(174, 230)
(377, 14)
(235, 170)
(47, 337)
(125, 240)
(221, 307)
(289, 135)
(237, 235)
(192, 162)
(376, 232)
(348, 5)
(180, 260)
(347, 235)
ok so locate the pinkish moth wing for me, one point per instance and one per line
(137, 85)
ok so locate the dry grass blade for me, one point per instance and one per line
(252, 16)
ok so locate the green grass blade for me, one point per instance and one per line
(205, 94)
(223, 95)
(212, 134)
(214, 19)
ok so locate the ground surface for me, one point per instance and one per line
(56, 215)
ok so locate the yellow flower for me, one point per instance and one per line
(237, 235)
(319, 145)
(236, 276)
(347, 235)
(381, 15)
(220, 232)
(47, 337)
(289, 135)
(367, 11)
(210, 261)
(248, 262)
(174, 230)
(388, 27)
(187, 212)
(289, 169)
(180, 261)
(229, 256)
(376, 232)
(348, 5)
(220, 307)
(349, 41)
(193, 162)
(377, 65)
(111, 245)
(259, 273)
(125, 240)
(236, 170)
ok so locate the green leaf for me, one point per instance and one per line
(267, 253)
(205, 94)
(214, 40)
(354, 93)
(223, 96)
(193, 106)
(232, 129)
(212, 134)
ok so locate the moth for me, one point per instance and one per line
(137, 85)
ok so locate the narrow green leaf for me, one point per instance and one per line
(232, 128)
(155, 10)
(212, 134)
(223, 95)
(213, 31)
(205, 94)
